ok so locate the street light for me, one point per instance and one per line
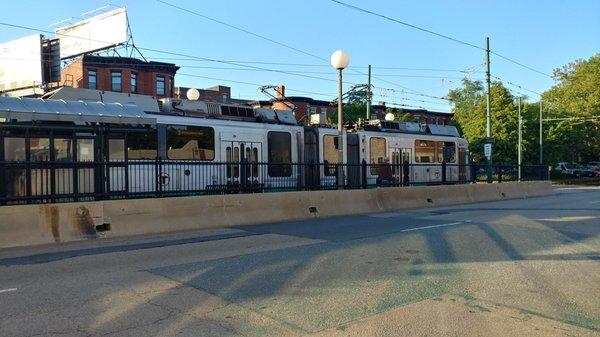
(340, 60)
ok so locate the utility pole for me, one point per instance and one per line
(369, 94)
(488, 130)
(541, 137)
(519, 160)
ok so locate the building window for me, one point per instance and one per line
(377, 149)
(115, 81)
(92, 79)
(190, 142)
(160, 85)
(280, 152)
(134, 86)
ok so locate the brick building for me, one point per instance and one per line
(218, 93)
(418, 115)
(121, 74)
(303, 106)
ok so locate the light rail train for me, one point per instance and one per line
(202, 144)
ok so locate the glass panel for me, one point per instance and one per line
(191, 142)
(330, 154)
(39, 149)
(85, 150)
(14, 183)
(424, 151)
(116, 149)
(85, 180)
(377, 153)
(228, 159)
(14, 149)
(63, 149)
(40, 181)
(63, 181)
(142, 145)
(236, 158)
(255, 160)
(280, 152)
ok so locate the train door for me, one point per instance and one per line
(353, 160)
(398, 157)
(311, 158)
(242, 162)
(396, 161)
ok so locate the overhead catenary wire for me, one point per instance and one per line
(196, 13)
(447, 37)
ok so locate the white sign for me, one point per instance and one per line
(487, 150)
(21, 63)
(102, 31)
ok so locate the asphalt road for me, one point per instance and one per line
(527, 267)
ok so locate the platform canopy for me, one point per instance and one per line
(50, 110)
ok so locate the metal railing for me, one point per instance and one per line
(66, 181)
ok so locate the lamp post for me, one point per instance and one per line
(340, 60)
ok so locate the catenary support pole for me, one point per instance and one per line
(488, 129)
(541, 136)
(519, 154)
(369, 94)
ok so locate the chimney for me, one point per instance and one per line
(280, 91)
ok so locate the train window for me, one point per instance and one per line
(14, 149)
(424, 151)
(63, 149)
(142, 145)
(448, 153)
(280, 152)
(377, 151)
(439, 152)
(190, 142)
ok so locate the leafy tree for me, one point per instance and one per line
(470, 118)
(575, 95)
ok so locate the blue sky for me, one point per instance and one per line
(541, 34)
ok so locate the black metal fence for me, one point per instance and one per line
(66, 181)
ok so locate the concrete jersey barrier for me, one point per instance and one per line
(25, 225)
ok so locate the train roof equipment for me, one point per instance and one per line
(409, 127)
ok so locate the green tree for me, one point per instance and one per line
(575, 95)
(470, 118)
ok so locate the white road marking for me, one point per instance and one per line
(7, 290)
(595, 202)
(433, 226)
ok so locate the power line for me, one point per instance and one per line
(406, 24)
(283, 44)
(356, 8)
(241, 29)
